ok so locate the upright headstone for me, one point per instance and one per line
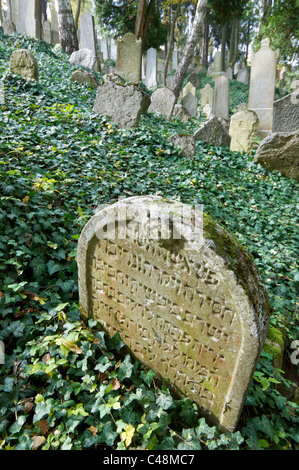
(151, 68)
(30, 18)
(229, 73)
(54, 25)
(113, 49)
(184, 295)
(175, 59)
(128, 61)
(286, 114)
(87, 33)
(85, 58)
(217, 62)
(206, 95)
(243, 129)
(262, 86)
(189, 88)
(104, 48)
(243, 74)
(22, 62)
(221, 97)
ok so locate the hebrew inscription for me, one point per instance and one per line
(180, 311)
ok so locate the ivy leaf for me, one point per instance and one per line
(125, 369)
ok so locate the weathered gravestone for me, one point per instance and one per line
(189, 88)
(82, 76)
(206, 95)
(262, 86)
(243, 129)
(181, 113)
(87, 33)
(85, 58)
(279, 152)
(22, 62)
(162, 102)
(30, 18)
(190, 102)
(243, 74)
(122, 103)
(194, 79)
(128, 61)
(185, 142)
(214, 131)
(221, 97)
(286, 114)
(104, 48)
(188, 303)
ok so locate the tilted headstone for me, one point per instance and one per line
(122, 103)
(215, 131)
(206, 95)
(194, 79)
(184, 295)
(262, 86)
(181, 113)
(279, 152)
(243, 129)
(221, 97)
(85, 58)
(22, 62)
(128, 61)
(162, 102)
(190, 102)
(286, 114)
(151, 68)
(87, 33)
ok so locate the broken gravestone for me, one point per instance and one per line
(186, 298)
(22, 62)
(185, 142)
(121, 102)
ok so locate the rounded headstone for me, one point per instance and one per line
(22, 62)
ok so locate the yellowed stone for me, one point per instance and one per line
(183, 294)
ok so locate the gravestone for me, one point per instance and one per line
(151, 68)
(194, 79)
(22, 62)
(104, 48)
(206, 95)
(279, 152)
(243, 74)
(128, 61)
(229, 73)
(87, 33)
(185, 142)
(30, 18)
(189, 88)
(185, 297)
(82, 76)
(85, 58)
(113, 49)
(122, 103)
(221, 97)
(286, 114)
(262, 86)
(181, 113)
(162, 102)
(214, 131)
(175, 59)
(190, 102)
(243, 129)
(217, 62)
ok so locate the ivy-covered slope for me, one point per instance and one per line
(64, 385)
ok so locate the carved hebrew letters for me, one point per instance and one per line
(174, 308)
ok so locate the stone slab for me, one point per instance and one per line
(162, 102)
(286, 114)
(128, 60)
(185, 297)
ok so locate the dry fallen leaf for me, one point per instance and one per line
(37, 441)
(44, 426)
(93, 430)
(115, 384)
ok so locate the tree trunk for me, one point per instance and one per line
(147, 20)
(205, 49)
(139, 23)
(223, 46)
(171, 36)
(199, 17)
(66, 26)
(78, 11)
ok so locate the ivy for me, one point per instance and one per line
(65, 384)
